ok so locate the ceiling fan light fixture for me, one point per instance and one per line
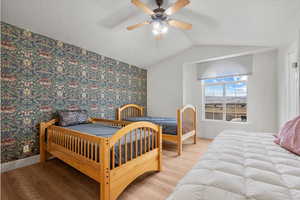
(156, 25)
(159, 17)
(159, 27)
(155, 32)
(164, 29)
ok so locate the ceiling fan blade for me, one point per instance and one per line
(137, 26)
(179, 24)
(158, 37)
(142, 6)
(177, 6)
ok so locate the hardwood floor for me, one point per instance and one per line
(56, 180)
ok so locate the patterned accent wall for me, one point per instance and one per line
(40, 75)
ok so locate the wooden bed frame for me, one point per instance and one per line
(133, 110)
(95, 156)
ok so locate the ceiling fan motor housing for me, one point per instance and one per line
(159, 15)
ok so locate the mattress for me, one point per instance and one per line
(168, 124)
(242, 166)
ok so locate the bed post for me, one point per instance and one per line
(195, 125)
(142, 111)
(105, 170)
(159, 142)
(179, 132)
(118, 114)
(43, 146)
(42, 142)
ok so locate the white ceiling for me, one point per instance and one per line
(99, 25)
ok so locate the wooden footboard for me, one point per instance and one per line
(114, 162)
(186, 122)
(141, 156)
(186, 125)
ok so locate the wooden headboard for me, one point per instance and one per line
(129, 110)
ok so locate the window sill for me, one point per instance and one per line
(222, 121)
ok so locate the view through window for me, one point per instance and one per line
(226, 98)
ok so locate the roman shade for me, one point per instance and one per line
(235, 66)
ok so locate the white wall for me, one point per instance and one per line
(283, 114)
(262, 101)
(167, 88)
(165, 80)
(290, 40)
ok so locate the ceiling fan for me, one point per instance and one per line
(160, 17)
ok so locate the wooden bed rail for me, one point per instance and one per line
(114, 162)
(114, 123)
(129, 110)
(84, 149)
(44, 125)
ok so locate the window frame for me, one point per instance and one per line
(223, 84)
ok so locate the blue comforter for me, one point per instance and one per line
(95, 129)
(169, 125)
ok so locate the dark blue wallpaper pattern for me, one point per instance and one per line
(40, 75)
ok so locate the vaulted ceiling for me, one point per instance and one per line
(100, 25)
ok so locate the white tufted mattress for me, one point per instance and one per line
(242, 165)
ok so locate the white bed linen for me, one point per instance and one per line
(242, 166)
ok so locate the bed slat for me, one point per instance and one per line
(131, 145)
(120, 153)
(125, 147)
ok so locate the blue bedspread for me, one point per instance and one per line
(95, 129)
(169, 125)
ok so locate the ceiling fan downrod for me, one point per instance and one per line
(159, 2)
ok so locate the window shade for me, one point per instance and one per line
(236, 66)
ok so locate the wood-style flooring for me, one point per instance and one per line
(55, 180)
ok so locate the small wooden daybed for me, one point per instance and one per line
(113, 161)
(185, 123)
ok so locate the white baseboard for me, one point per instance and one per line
(19, 163)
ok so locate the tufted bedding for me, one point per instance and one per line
(242, 166)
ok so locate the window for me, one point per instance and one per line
(225, 99)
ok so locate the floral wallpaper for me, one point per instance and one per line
(40, 75)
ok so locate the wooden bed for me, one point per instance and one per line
(95, 156)
(186, 122)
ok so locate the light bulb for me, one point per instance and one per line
(156, 25)
(159, 27)
(164, 29)
(155, 32)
